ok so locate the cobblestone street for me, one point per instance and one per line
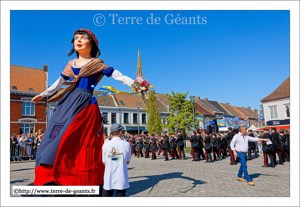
(184, 178)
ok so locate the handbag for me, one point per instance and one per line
(195, 145)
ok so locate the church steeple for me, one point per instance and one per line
(139, 65)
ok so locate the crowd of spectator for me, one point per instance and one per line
(24, 146)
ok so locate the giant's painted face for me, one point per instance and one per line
(82, 43)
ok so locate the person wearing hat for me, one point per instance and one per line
(147, 146)
(252, 146)
(133, 145)
(277, 146)
(216, 147)
(239, 145)
(200, 146)
(228, 138)
(268, 149)
(180, 144)
(140, 145)
(116, 155)
(76, 119)
(208, 148)
(173, 146)
(153, 147)
(195, 146)
(285, 152)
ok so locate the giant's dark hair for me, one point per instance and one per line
(95, 52)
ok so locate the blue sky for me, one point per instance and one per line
(238, 57)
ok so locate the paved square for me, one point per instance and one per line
(184, 178)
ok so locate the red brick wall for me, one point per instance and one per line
(15, 128)
(16, 114)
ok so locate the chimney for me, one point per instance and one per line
(206, 99)
(198, 98)
(255, 110)
(228, 103)
(249, 107)
(45, 68)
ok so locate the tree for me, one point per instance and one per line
(181, 113)
(154, 121)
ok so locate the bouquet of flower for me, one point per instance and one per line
(141, 85)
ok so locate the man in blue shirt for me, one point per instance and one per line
(239, 145)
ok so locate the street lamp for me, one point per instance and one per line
(193, 100)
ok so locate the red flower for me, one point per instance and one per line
(148, 84)
(136, 89)
(142, 84)
(146, 89)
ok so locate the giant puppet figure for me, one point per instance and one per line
(70, 151)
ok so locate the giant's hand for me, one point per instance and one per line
(36, 99)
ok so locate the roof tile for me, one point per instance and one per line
(24, 78)
(282, 91)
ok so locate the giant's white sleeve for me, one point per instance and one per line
(120, 77)
(52, 89)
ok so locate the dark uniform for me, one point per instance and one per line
(285, 147)
(216, 148)
(208, 149)
(180, 144)
(267, 149)
(140, 147)
(147, 147)
(252, 147)
(133, 145)
(173, 147)
(195, 147)
(160, 146)
(223, 148)
(165, 146)
(229, 137)
(168, 142)
(200, 148)
(276, 147)
(153, 148)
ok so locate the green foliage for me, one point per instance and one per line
(181, 114)
(154, 121)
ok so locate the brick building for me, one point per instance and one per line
(25, 83)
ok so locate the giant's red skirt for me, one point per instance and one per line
(79, 158)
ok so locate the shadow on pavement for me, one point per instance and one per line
(256, 175)
(151, 180)
(19, 181)
(22, 169)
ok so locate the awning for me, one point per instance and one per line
(278, 127)
(136, 128)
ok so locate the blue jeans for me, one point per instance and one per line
(243, 168)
